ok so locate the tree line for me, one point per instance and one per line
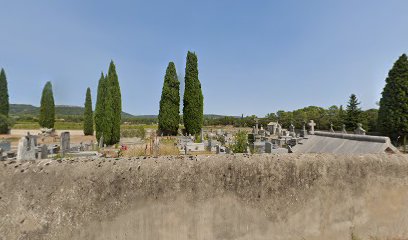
(323, 118)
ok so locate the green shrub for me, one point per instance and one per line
(240, 142)
(134, 132)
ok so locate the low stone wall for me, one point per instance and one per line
(286, 196)
(356, 137)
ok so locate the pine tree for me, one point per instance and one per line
(193, 101)
(88, 114)
(4, 97)
(353, 113)
(169, 113)
(47, 109)
(100, 122)
(393, 112)
(113, 108)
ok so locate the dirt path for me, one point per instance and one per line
(77, 136)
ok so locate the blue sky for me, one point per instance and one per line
(255, 57)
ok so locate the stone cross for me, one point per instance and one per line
(312, 125)
(292, 127)
(343, 130)
(331, 128)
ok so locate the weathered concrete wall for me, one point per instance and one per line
(306, 196)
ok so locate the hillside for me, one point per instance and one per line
(60, 110)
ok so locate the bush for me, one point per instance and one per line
(135, 132)
(240, 142)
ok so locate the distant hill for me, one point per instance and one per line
(65, 110)
(60, 110)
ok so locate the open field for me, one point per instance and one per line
(71, 126)
(285, 196)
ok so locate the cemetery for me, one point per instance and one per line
(204, 120)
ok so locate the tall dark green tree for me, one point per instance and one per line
(193, 101)
(4, 96)
(353, 112)
(4, 104)
(47, 109)
(169, 113)
(88, 114)
(113, 108)
(100, 120)
(393, 112)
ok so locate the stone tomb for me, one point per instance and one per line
(26, 148)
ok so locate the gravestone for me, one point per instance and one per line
(44, 151)
(272, 128)
(292, 128)
(359, 130)
(312, 125)
(259, 147)
(303, 132)
(65, 142)
(5, 145)
(331, 128)
(343, 129)
(268, 147)
(26, 149)
(279, 129)
(256, 129)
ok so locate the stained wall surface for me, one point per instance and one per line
(286, 196)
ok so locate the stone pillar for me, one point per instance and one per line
(65, 142)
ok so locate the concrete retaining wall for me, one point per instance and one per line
(287, 196)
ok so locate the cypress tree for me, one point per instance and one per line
(100, 122)
(342, 115)
(169, 113)
(113, 108)
(193, 101)
(47, 109)
(393, 112)
(88, 114)
(4, 96)
(353, 113)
